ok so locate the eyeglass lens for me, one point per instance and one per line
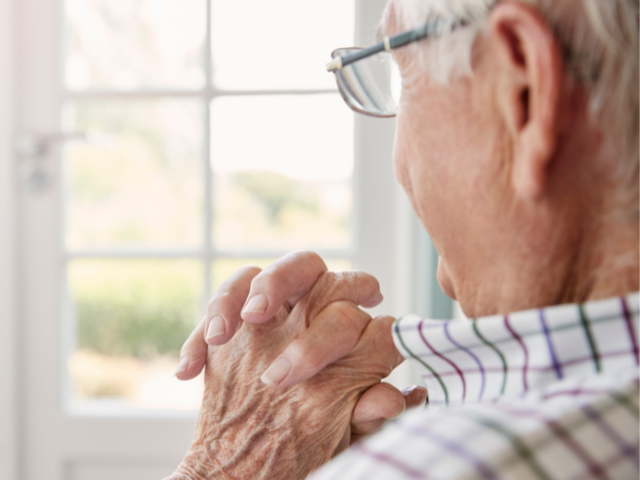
(370, 85)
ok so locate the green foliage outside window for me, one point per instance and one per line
(134, 308)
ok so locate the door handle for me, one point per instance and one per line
(32, 145)
(34, 149)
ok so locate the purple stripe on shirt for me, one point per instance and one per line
(456, 368)
(389, 460)
(563, 434)
(623, 446)
(574, 393)
(608, 464)
(524, 348)
(630, 329)
(435, 455)
(552, 352)
(456, 447)
(472, 355)
(489, 370)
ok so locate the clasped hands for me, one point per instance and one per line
(321, 360)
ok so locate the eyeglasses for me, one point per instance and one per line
(368, 78)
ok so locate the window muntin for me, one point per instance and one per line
(135, 44)
(282, 168)
(279, 44)
(195, 131)
(142, 186)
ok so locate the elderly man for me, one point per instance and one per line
(517, 143)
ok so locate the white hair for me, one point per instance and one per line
(600, 43)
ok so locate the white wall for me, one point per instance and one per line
(8, 428)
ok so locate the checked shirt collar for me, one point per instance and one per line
(507, 356)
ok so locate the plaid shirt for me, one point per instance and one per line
(541, 394)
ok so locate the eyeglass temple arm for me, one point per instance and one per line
(388, 44)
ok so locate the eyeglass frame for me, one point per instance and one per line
(387, 44)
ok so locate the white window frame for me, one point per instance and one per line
(407, 273)
(8, 319)
(207, 253)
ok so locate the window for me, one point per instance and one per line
(216, 140)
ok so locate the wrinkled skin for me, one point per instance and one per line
(287, 282)
(255, 431)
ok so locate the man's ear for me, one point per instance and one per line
(528, 91)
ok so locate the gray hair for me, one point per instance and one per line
(600, 43)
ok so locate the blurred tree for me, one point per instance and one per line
(135, 308)
(275, 192)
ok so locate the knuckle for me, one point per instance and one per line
(268, 282)
(309, 261)
(343, 310)
(194, 350)
(350, 317)
(231, 285)
(328, 280)
(355, 287)
(238, 277)
(310, 257)
(226, 303)
(305, 356)
(336, 285)
(211, 305)
(249, 270)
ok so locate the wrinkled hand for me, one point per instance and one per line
(285, 283)
(248, 429)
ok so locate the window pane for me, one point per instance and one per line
(127, 44)
(141, 186)
(278, 43)
(131, 318)
(282, 172)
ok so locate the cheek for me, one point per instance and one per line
(419, 166)
(400, 158)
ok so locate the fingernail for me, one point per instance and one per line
(257, 304)
(216, 327)
(182, 366)
(407, 390)
(276, 372)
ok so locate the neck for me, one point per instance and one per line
(612, 267)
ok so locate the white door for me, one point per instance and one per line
(162, 144)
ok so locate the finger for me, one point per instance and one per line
(359, 288)
(377, 343)
(290, 277)
(223, 311)
(378, 404)
(383, 402)
(331, 336)
(415, 396)
(193, 354)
